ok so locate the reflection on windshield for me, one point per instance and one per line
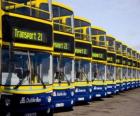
(62, 68)
(82, 70)
(98, 71)
(110, 72)
(25, 68)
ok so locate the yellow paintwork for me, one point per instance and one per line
(63, 33)
(99, 28)
(64, 54)
(26, 89)
(83, 41)
(82, 84)
(82, 58)
(98, 82)
(82, 19)
(62, 86)
(109, 82)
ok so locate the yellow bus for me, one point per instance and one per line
(130, 63)
(63, 56)
(111, 65)
(26, 60)
(99, 61)
(137, 69)
(83, 45)
(125, 67)
(119, 66)
(134, 71)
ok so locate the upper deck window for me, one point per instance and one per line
(80, 23)
(110, 43)
(63, 19)
(59, 11)
(26, 7)
(97, 32)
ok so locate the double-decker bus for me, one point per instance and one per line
(119, 59)
(118, 48)
(129, 63)
(83, 88)
(134, 66)
(138, 66)
(124, 68)
(63, 56)
(111, 65)
(26, 60)
(99, 61)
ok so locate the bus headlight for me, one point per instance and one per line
(72, 93)
(49, 99)
(72, 102)
(54, 93)
(76, 90)
(7, 102)
(90, 90)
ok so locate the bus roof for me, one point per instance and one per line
(82, 18)
(99, 28)
(62, 5)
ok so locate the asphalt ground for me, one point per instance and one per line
(124, 104)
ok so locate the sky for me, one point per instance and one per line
(121, 18)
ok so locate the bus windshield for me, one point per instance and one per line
(25, 68)
(124, 72)
(62, 68)
(118, 73)
(98, 71)
(110, 72)
(82, 69)
(26, 7)
(129, 73)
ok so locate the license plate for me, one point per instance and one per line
(81, 99)
(108, 92)
(30, 114)
(98, 95)
(59, 105)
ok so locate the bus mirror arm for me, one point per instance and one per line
(22, 76)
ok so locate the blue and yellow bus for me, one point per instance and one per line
(111, 65)
(83, 87)
(119, 66)
(134, 72)
(26, 60)
(99, 61)
(137, 80)
(129, 56)
(124, 67)
(63, 56)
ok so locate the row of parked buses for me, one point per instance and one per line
(50, 59)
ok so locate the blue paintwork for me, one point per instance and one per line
(63, 98)
(26, 103)
(128, 85)
(118, 87)
(111, 89)
(83, 94)
(99, 91)
(123, 86)
(132, 85)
